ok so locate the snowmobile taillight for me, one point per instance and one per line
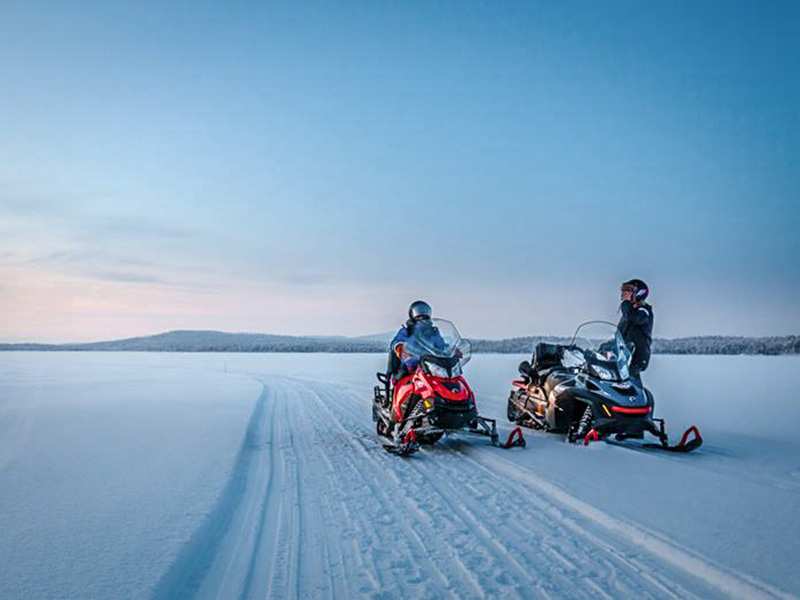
(630, 411)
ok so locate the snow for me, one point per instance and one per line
(255, 475)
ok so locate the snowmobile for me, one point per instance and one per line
(583, 389)
(430, 398)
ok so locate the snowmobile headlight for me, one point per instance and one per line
(602, 373)
(436, 370)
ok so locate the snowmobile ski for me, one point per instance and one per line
(685, 446)
(407, 447)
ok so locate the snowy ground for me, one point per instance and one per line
(223, 476)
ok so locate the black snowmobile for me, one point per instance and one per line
(583, 390)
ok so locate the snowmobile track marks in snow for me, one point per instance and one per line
(185, 575)
(407, 507)
(567, 557)
(314, 507)
(695, 566)
(460, 530)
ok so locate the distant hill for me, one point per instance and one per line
(219, 341)
(214, 341)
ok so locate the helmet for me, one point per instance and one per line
(419, 310)
(639, 288)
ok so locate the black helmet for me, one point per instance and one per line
(640, 289)
(419, 310)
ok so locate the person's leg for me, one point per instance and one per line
(635, 375)
(393, 364)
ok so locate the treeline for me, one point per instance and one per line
(692, 345)
(729, 345)
(216, 341)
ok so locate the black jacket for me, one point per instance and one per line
(636, 325)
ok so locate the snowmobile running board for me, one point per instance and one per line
(685, 446)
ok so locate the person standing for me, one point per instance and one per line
(636, 324)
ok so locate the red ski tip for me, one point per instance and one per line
(411, 436)
(696, 441)
(590, 437)
(515, 438)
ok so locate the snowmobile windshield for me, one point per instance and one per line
(607, 354)
(439, 341)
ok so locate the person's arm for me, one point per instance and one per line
(397, 343)
(631, 314)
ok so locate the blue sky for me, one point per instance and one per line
(312, 167)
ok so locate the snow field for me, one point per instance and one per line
(252, 476)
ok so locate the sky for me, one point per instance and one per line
(313, 167)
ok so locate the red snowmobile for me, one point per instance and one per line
(430, 398)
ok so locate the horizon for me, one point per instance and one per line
(312, 169)
(388, 334)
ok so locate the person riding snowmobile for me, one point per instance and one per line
(419, 315)
(419, 326)
(636, 324)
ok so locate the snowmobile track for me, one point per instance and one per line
(315, 508)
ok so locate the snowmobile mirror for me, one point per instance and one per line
(525, 368)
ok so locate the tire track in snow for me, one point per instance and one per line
(284, 579)
(245, 537)
(516, 512)
(433, 479)
(314, 507)
(185, 575)
(616, 564)
(488, 564)
(269, 509)
(395, 502)
(345, 477)
(329, 561)
(694, 565)
(572, 510)
(600, 561)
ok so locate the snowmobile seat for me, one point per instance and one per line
(546, 357)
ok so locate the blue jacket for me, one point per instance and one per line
(401, 337)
